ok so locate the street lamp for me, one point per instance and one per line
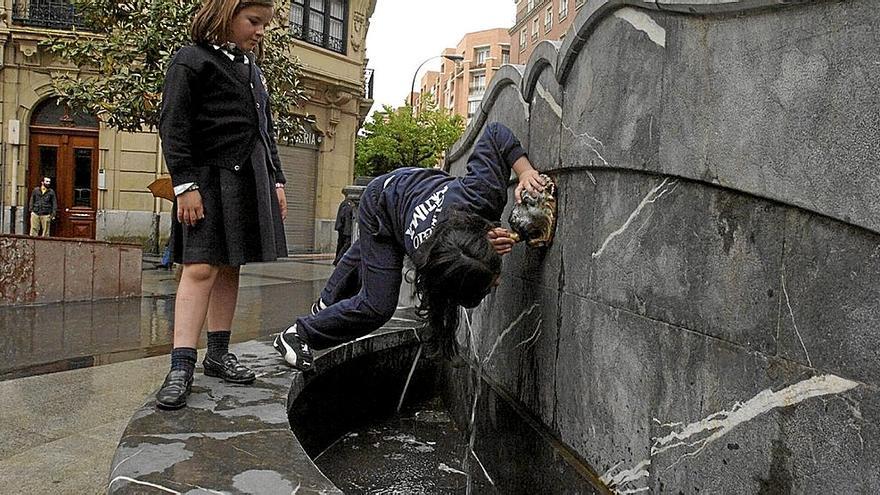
(412, 97)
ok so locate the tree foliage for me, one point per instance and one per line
(123, 57)
(397, 138)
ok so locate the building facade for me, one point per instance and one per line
(459, 86)
(101, 175)
(538, 20)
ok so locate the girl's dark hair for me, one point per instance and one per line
(211, 22)
(456, 266)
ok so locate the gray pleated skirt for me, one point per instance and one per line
(242, 221)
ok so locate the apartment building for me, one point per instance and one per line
(538, 20)
(459, 86)
(101, 175)
(429, 87)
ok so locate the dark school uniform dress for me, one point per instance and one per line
(217, 132)
(397, 213)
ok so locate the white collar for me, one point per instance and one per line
(226, 52)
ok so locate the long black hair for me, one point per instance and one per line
(456, 266)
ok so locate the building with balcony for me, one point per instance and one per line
(101, 175)
(538, 20)
(459, 86)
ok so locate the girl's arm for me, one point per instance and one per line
(175, 130)
(488, 171)
(276, 165)
(273, 148)
(176, 124)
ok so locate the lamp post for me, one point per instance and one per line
(412, 98)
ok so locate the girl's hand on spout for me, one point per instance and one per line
(529, 179)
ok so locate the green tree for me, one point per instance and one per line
(397, 138)
(123, 57)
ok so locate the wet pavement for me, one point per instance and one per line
(56, 337)
(419, 451)
(59, 431)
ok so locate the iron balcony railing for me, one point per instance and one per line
(476, 91)
(318, 38)
(51, 14)
(368, 83)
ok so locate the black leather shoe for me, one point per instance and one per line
(228, 368)
(175, 388)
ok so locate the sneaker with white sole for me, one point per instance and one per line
(317, 307)
(294, 349)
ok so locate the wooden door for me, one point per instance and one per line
(71, 161)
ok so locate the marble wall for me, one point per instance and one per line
(38, 270)
(706, 319)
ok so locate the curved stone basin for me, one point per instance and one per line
(238, 439)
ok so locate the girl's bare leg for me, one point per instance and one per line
(221, 308)
(191, 305)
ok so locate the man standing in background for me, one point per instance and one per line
(43, 208)
(343, 226)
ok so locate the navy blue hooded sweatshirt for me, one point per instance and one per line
(413, 199)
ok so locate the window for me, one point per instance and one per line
(320, 22)
(52, 14)
(530, 6)
(523, 38)
(535, 28)
(505, 56)
(478, 86)
(480, 55)
(563, 9)
(473, 107)
(548, 19)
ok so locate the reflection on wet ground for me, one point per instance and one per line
(56, 337)
(416, 452)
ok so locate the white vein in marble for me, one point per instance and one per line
(664, 188)
(507, 330)
(701, 433)
(595, 142)
(526, 108)
(541, 91)
(793, 322)
(709, 429)
(144, 483)
(643, 22)
(617, 482)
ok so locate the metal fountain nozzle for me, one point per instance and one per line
(534, 220)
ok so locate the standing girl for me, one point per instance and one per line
(218, 140)
(444, 224)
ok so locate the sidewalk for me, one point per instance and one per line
(60, 430)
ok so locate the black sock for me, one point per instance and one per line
(183, 358)
(218, 343)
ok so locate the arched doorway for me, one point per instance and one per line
(64, 147)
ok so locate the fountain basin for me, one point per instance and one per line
(262, 438)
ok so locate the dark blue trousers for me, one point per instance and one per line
(362, 293)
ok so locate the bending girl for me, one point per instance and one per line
(445, 225)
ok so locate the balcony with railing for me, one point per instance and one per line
(319, 38)
(476, 91)
(50, 14)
